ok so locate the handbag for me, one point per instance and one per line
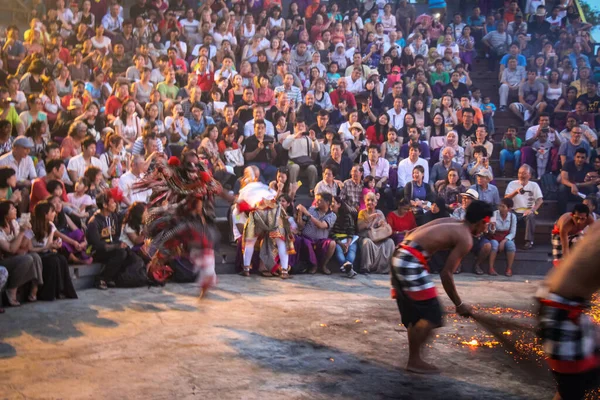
(380, 233)
(304, 161)
(501, 235)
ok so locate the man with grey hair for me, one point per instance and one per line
(527, 198)
(439, 171)
(137, 169)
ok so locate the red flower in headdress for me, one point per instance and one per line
(205, 177)
(116, 194)
(174, 161)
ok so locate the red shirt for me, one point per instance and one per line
(336, 96)
(113, 106)
(39, 192)
(179, 65)
(205, 81)
(401, 224)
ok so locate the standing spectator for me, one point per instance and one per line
(527, 199)
(573, 180)
(315, 223)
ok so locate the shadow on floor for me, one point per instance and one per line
(332, 372)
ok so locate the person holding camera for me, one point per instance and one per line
(527, 199)
(302, 148)
(178, 126)
(528, 152)
(260, 151)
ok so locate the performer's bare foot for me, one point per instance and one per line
(421, 367)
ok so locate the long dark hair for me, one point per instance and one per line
(442, 127)
(5, 206)
(134, 216)
(381, 131)
(39, 225)
(5, 174)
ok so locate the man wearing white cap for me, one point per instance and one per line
(19, 160)
(486, 191)
(466, 199)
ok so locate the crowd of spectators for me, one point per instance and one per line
(374, 99)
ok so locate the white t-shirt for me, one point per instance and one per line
(190, 26)
(78, 202)
(78, 165)
(527, 200)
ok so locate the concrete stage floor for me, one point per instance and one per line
(311, 337)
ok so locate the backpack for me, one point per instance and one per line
(549, 186)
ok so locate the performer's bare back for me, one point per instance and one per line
(578, 275)
(442, 234)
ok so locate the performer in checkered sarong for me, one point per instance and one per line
(569, 336)
(412, 286)
(568, 230)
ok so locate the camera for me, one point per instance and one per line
(545, 130)
(180, 113)
(522, 191)
(305, 218)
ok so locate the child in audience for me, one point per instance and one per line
(542, 147)
(488, 109)
(132, 233)
(333, 75)
(511, 146)
(79, 199)
(480, 161)
(55, 188)
(369, 187)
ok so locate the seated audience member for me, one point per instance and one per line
(487, 192)
(113, 160)
(418, 192)
(19, 160)
(45, 241)
(52, 153)
(375, 256)
(23, 267)
(343, 232)
(406, 166)
(132, 233)
(466, 198)
(415, 138)
(260, 151)
(511, 146)
(8, 183)
(315, 224)
(137, 169)
(440, 170)
(379, 168)
(401, 220)
(79, 199)
(74, 244)
(531, 96)
(87, 158)
(480, 139)
(329, 184)
(352, 190)
(503, 230)
(338, 161)
(451, 188)
(302, 149)
(54, 172)
(459, 152)
(71, 145)
(527, 199)
(575, 180)
(437, 210)
(567, 149)
(480, 162)
(282, 184)
(103, 235)
(532, 135)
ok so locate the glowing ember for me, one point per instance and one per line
(365, 331)
(507, 333)
(331, 359)
(473, 343)
(357, 321)
(323, 325)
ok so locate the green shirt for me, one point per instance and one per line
(512, 145)
(169, 91)
(12, 116)
(442, 77)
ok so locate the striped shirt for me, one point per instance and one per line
(409, 266)
(293, 93)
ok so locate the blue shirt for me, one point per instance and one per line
(521, 60)
(568, 149)
(489, 195)
(198, 127)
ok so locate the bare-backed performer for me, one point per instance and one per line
(570, 338)
(415, 292)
